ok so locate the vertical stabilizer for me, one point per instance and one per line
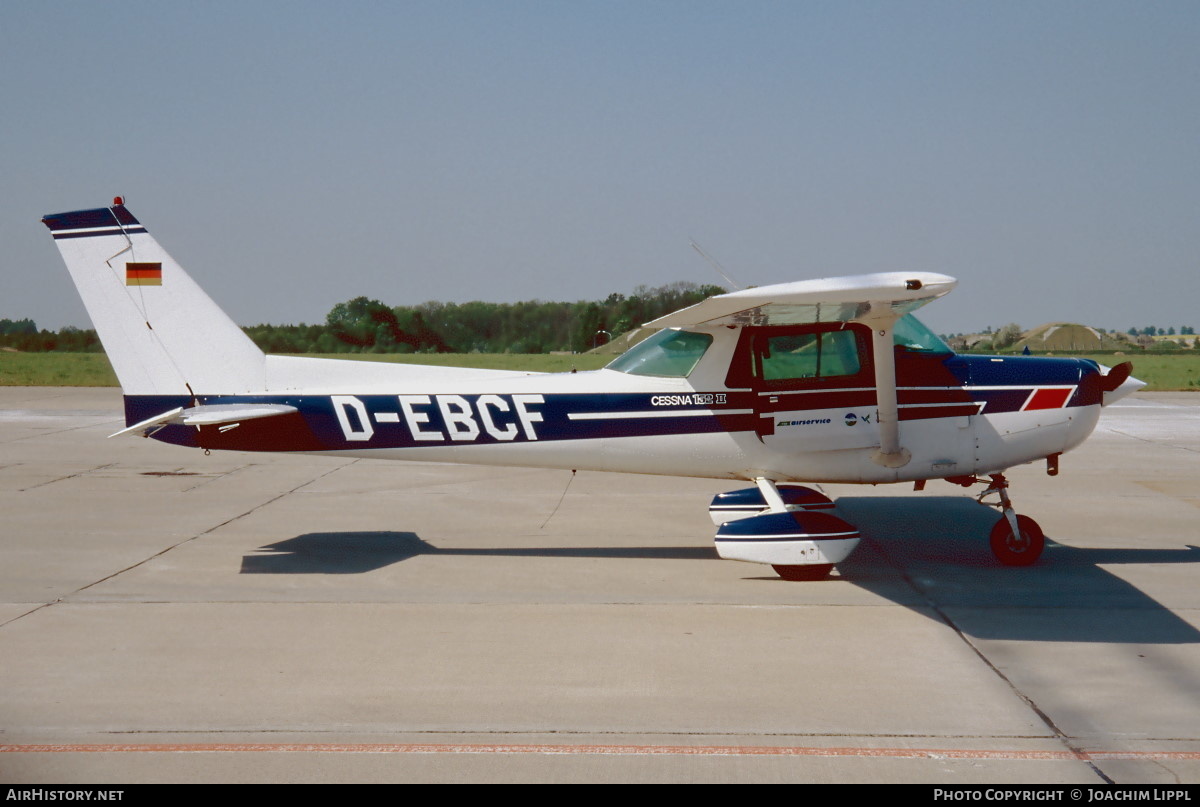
(162, 333)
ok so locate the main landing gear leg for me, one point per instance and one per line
(1016, 540)
(814, 571)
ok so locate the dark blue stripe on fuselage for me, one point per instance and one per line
(387, 424)
(1001, 400)
(383, 421)
(94, 233)
(1028, 371)
(116, 216)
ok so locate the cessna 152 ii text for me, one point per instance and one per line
(829, 380)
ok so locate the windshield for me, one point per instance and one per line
(911, 334)
(669, 354)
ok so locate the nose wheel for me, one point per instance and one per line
(1021, 547)
(1015, 540)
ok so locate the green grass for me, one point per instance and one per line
(93, 369)
(56, 370)
(1161, 372)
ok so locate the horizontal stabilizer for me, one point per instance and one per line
(206, 415)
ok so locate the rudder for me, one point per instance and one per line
(162, 333)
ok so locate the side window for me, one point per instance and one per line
(808, 356)
(669, 353)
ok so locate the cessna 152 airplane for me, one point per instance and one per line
(829, 380)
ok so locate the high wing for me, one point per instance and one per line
(876, 300)
(861, 298)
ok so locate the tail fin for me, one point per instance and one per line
(162, 333)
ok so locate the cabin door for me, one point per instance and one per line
(814, 387)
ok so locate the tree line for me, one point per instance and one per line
(363, 325)
(1152, 330)
(23, 335)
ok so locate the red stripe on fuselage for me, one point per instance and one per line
(1047, 399)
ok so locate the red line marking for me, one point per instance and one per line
(606, 750)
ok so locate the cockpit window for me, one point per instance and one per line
(912, 335)
(668, 354)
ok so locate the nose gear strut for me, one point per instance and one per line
(1016, 540)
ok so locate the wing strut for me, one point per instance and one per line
(882, 321)
(770, 494)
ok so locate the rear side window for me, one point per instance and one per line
(796, 356)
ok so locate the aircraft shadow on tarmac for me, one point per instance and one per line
(359, 552)
(938, 548)
(929, 553)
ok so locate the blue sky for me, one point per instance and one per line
(293, 155)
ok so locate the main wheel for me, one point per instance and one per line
(1017, 550)
(813, 571)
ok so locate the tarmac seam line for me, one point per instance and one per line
(1062, 737)
(63, 431)
(165, 550)
(68, 476)
(1152, 442)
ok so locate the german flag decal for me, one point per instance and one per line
(143, 274)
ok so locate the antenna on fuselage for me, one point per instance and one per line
(715, 265)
